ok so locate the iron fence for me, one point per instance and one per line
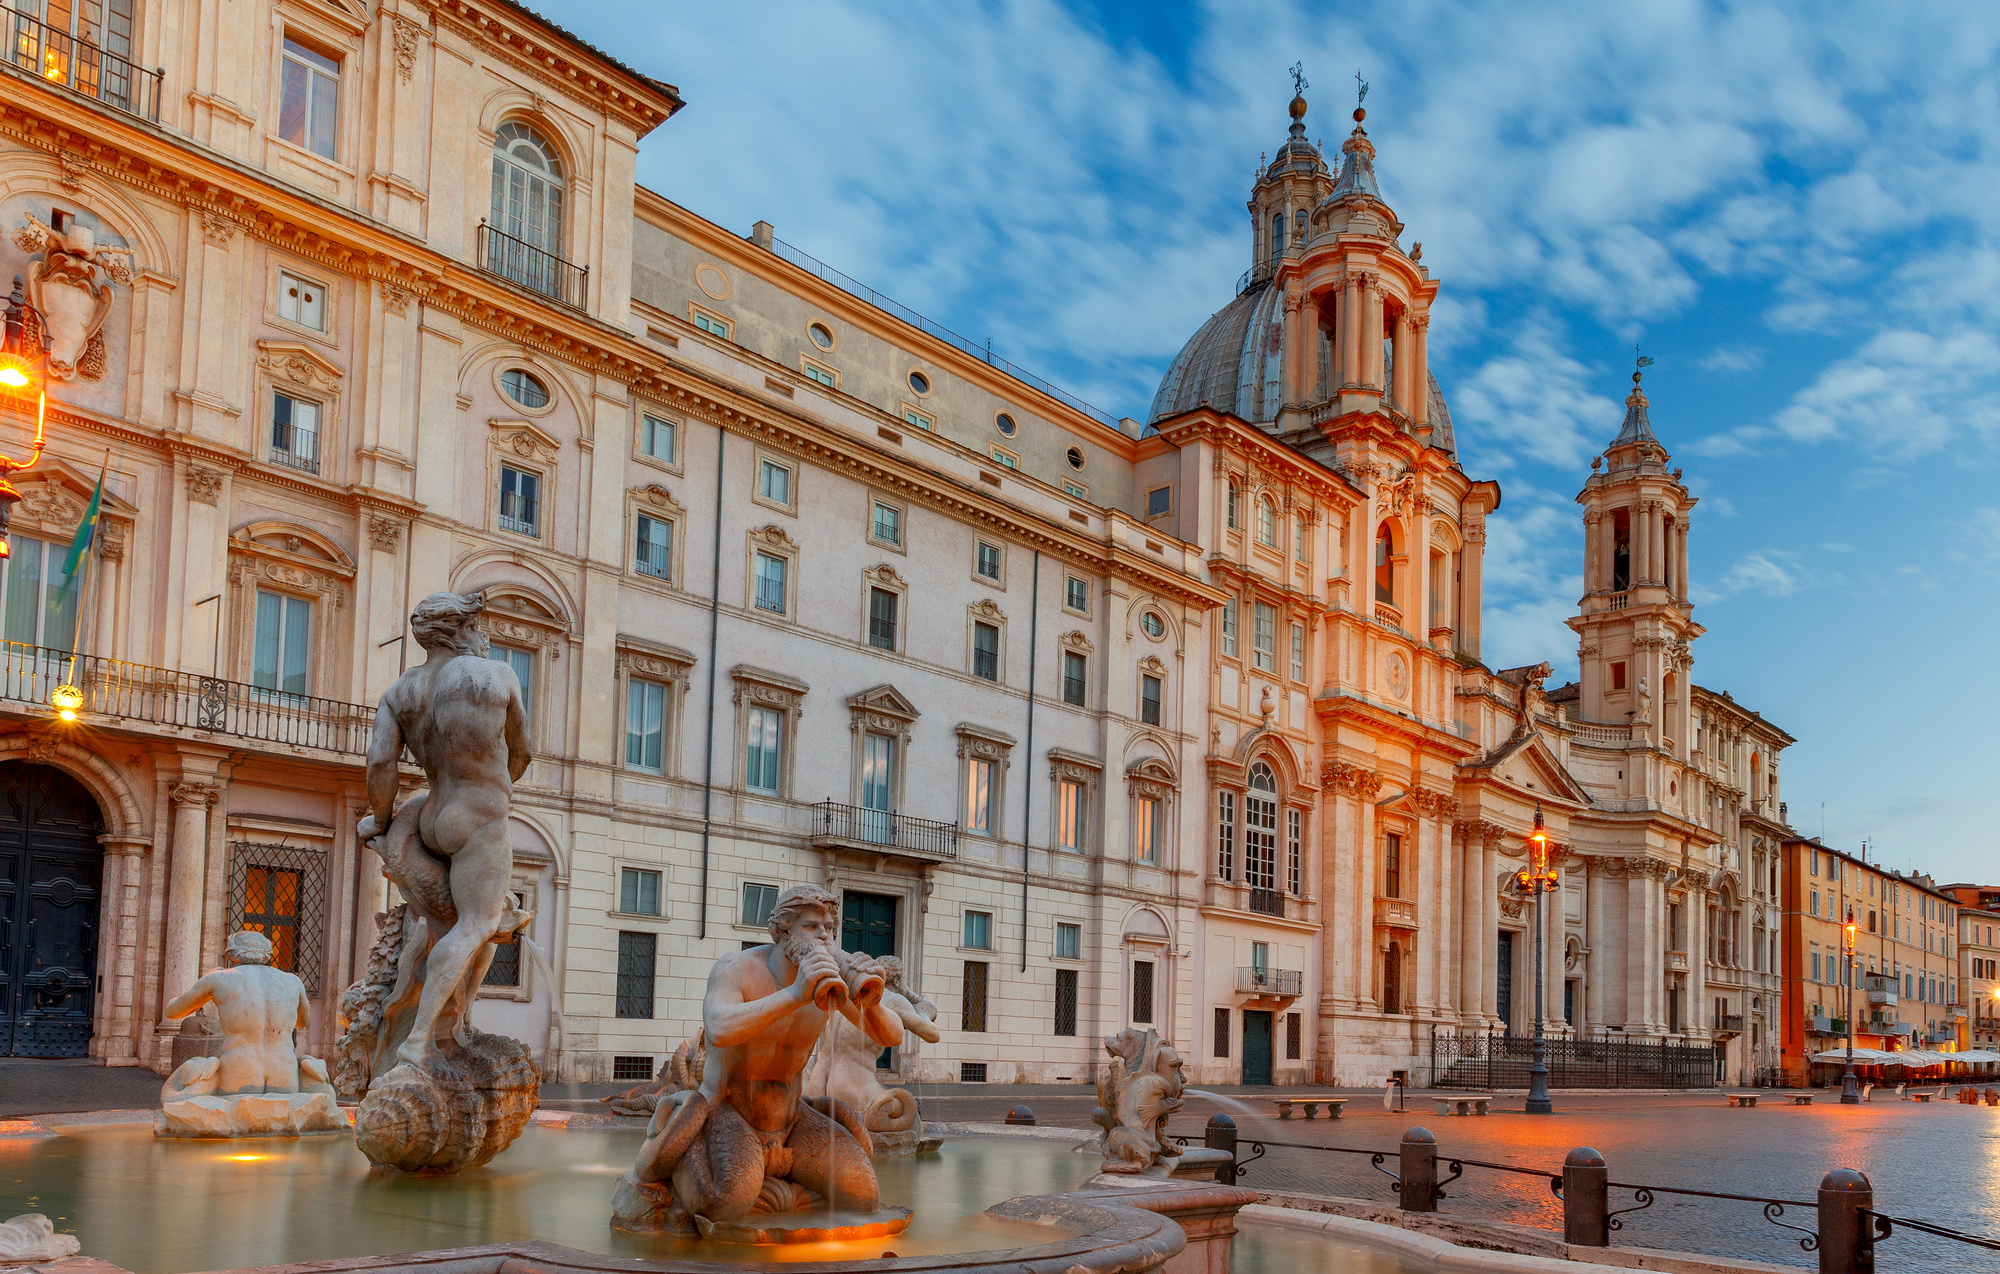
(84, 66)
(1488, 1060)
(280, 892)
(833, 821)
(536, 269)
(160, 696)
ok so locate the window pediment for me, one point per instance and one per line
(1153, 665)
(1151, 777)
(987, 609)
(1076, 641)
(654, 659)
(525, 440)
(54, 496)
(298, 364)
(520, 618)
(1074, 766)
(290, 556)
(773, 537)
(885, 576)
(653, 495)
(883, 709)
(770, 689)
(987, 745)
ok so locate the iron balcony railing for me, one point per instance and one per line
(1267, 902)
(833, 821)
(1255, 981)
(83, 66)
(536, 269)
(159, 696)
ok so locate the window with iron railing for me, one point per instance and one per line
(1065, 1002)
(295, 433)
(87, 49)
(653, 546)
(520, 501)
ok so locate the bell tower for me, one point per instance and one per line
(1287, 190)
(1635, 624)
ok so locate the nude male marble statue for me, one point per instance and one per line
(749, 1139)
(259, 1008)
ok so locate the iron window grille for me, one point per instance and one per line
(633, 1067)
(1142, 990)
(280, 892)
(881, 619)
(1149, 700)
(972, 1072)
(972, 1008)
(986, 651)
(520, 501)
(637, 956)
(1073, 679)
(653, 541)
(505, 970)
(1291, 1037)
(1065, 1001)
(1222, 1032)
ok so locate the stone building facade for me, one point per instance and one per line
(1095, 722)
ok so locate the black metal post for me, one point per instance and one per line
(1850, 1088)
(1420, 1171)
(1221, 1135)
(1538, 1073)
(1845, 1244)
(1586, 1199)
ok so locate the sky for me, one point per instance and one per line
(1794, 209)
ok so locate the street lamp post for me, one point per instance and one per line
(1850, 1088)
(1534, 880)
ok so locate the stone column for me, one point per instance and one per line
(106, 973)
(1641, 554)
(1350, 330)
(1469, 938)
(1473, 586)
(118, 929)
(1597, 946)
(186, 885)
(1364, 893)
(1635, 948)
(1419, 381)
(1553, 929)
(1371, 334)
(1681, 558)
(1401, 370)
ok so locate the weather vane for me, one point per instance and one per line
(1361, 96)
(1298, 74)
(1644, 361)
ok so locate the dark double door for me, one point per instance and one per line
(868, 925)
(50, 870)
(1256, 1046)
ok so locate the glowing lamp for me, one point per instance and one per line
(13, 371)
(66, 699)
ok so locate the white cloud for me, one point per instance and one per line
(1734, 358)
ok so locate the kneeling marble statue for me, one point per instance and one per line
(749, 1142)
(258, 1086)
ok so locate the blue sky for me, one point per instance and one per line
(1796, 210)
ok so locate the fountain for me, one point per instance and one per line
(844, 1068)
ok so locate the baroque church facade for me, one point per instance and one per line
(1095, 722)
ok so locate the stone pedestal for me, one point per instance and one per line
(419, 1121)
(1205, 1213)
(250, 1115)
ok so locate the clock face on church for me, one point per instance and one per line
(1396, 674)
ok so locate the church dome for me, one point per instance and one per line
(1233, 363)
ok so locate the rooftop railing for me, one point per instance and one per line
(137, 693)
(83, 66)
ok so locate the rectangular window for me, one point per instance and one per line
(821, 375)
(1392, 866)
(1159, 502)
(309, 99)
(1003, 457)
(645, 725)
(918, 420)
(506, 967)
(1069, 942)
(520, 501)
(271, 897)
(1299, 552)
(638, 892)
(887, 527)
(1295, 824)
(1065, 1002)
(301, 301)
(1146, 830)
(757, 903)
(1221, 1030)
(1075, 490)
(1069, 816)
(978, 931)
(652, 546)
(882, 619)
(1074, 670)
(1229, 628)
(972, 1007)
(1815, 967)
(774, 483)
(41, 607)
(771, 583)
(295, 433)
(1149, 699)
(523, 664)
(1076, 594)
(1617, 674)
(986, 651)
(760, 766)
(1298, 652)
(986, 561)
(637, 956)
(657, 438)
(1142, 990)
(1225, 845)
(1263, 636)
(979, 796)
(710, 324)
(1232, 526)
(1291, 1037)
(281, 644)
(1260, 956)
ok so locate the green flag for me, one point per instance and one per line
(85, 530)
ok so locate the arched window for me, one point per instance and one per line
(1385, 569)
(1277, 238)
(527, 210)
(1267, 521)
(1260, 831)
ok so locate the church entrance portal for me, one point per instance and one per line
(50, 868)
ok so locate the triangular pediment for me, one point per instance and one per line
(56, 492)
(1528, 763)
(885, 700)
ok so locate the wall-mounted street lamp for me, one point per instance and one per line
(24, 351)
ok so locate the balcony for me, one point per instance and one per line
(837, 826)
(120, 693)
(1882, 991)
(1677, 962)
(1267, 902)
(1395, 913)
(1270, 984)
(536, 269)
(56, 57)
(1728, 1026)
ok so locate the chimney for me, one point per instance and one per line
(762, 233)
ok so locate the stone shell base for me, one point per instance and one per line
(250, 1115)
(421, 1121)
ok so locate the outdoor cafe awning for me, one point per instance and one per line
(1862, 1056)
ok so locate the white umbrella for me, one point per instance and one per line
(1862, 1056)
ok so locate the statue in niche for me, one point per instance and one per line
(749, 1142)
(440, 1095)
(257, 1085)
(845, 1068)
(66, 294)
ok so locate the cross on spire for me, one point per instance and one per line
(1298, 74)
(1362, 95)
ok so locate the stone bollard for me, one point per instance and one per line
(1586, 1199)
(1846, 1245)
(1221, 1135)
(1420, 1171)
(1021, 1115)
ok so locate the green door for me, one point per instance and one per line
(868, 923)
(1256, 1046)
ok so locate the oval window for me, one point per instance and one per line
(1005, 424)
(1076, 457)
(1155, 626)
(920, 383)
(524, 388)
(821, 334)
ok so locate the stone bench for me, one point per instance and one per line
(1311, 1105)
(1801, 1099)
(1743, 1099)
(1447, 1104)
(1917, 1094)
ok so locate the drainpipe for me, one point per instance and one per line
(1028, 771)
(714, 620)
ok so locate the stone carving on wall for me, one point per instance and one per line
(204, 485)
(217, 229)
(883, 710)
(661, 664)
(396, 300)
(407, 34)
(1350, 779)
(74, 166)
(64, 289)
(657, 496)
(986, 608)
(48, 505)
(1151, 778)
(1074, 640)
(884, 575)
(774, 536)
(1152, 664)
(290, 361)
(973, 742)
(386, 532)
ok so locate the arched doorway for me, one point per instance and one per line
(50, 867)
